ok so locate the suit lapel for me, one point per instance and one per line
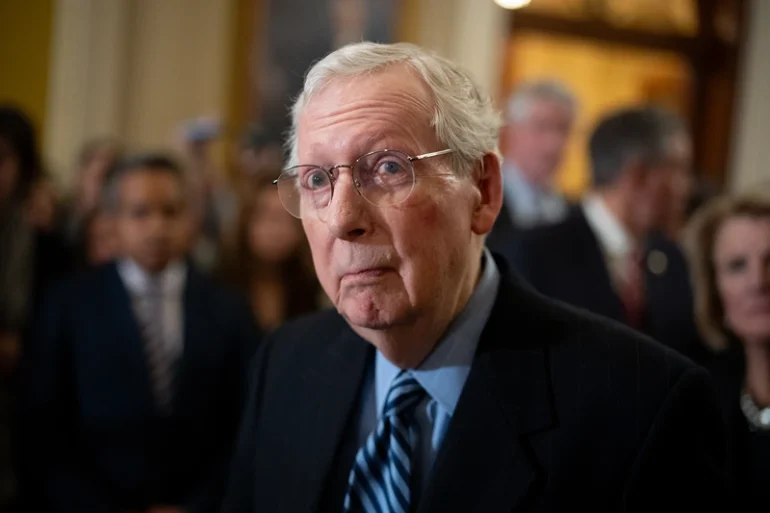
(593, 269)
(330, 396)
(484, 463)
(197, 339)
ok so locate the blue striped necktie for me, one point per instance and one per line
(380, 479)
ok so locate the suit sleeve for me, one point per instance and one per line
(239, 497)
(682, 464)
(53, 474)
(246, 339)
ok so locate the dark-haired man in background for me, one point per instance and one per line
(609, 256)
(132, 384)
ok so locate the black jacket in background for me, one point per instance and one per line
(565, 262)
(91, 438)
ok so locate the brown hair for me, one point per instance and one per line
(239, 263)
(700, 237)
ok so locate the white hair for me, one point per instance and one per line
(464, 117)
(521, 100)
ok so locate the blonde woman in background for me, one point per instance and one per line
(728, 242)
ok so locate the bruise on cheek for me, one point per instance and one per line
(430, 215)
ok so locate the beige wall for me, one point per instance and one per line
(471, 32)
(134, 69)
(751, 158)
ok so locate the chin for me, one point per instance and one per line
(154, 265)
(374, 312)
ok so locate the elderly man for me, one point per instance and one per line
(441, 383)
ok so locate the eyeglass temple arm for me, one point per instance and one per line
(432, 154)
(412, 159)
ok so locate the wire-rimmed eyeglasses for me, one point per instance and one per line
(382, 177)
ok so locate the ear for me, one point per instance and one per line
(488, 181)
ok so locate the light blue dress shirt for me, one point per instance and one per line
(442, 375)
(530, 206)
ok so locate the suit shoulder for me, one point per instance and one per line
(604, 366)
(551, 240)
(601, 339)
(85, 282)
(597, 346)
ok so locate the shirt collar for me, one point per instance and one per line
(444, 372)
(613, 237)
(517, 188)
(137, 280)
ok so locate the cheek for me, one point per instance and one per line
(732, 293)
(432, 244)
(255, 236)
(182, 229)
(125, 231)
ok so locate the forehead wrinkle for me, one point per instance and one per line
(391, 108)
(378, 122)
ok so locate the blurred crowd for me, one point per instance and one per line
(650, 245)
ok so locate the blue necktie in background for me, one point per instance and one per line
(381, 476)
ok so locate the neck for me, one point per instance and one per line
(151, 271)
(758, 371)
(615, 201)
(408, 345)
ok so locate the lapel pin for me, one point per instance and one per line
(657, 262)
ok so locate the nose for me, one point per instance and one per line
(157, 224)
(347, 215)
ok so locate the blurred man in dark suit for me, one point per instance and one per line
(441, 383)
(132, 385)
(609, 256)
(539, 120)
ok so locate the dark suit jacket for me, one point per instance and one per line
(92, 440)
(565, 262)
(506, 237)
(749, 450)
(561, 411)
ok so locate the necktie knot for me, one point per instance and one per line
(404, 395)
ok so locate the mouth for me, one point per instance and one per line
(369, 274)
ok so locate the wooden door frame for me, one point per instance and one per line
(715, 65)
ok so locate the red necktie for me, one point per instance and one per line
(632, 289)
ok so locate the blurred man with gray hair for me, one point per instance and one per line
(442, 383)
(540, 117)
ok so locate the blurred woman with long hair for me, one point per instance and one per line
(268, 259)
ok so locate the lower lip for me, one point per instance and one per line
(369, 274)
